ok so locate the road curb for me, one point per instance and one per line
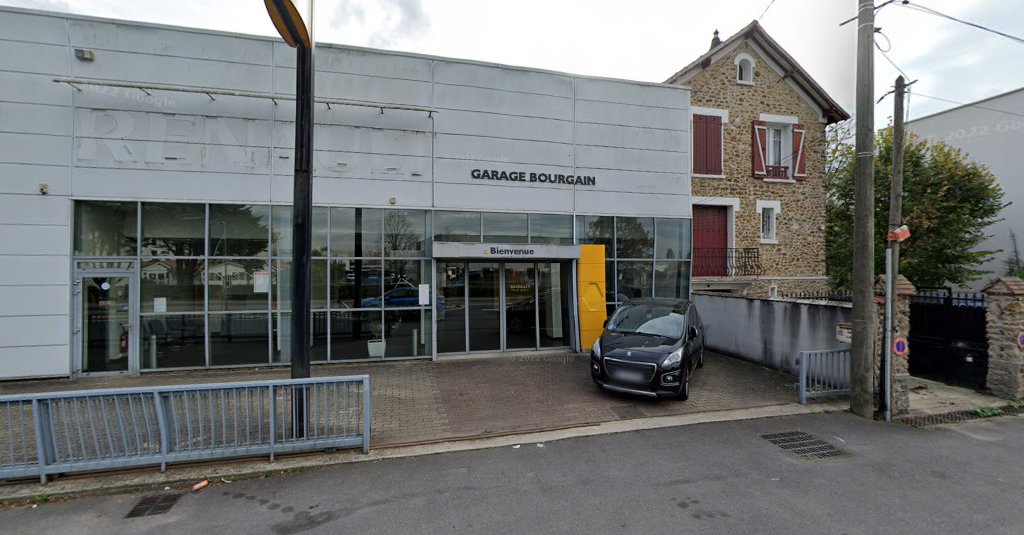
(181, 477)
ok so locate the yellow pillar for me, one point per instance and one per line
(591, 292)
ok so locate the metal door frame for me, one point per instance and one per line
(503, 303)
(133, 316)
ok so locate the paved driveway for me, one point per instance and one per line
(423, 401)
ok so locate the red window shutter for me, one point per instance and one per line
(714, 144)
(799, 155)
(700, 163)
(758, 147)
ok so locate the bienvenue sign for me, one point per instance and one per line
(504, 250)
(543, 178)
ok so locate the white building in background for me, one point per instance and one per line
(990, 132)
(144, 201)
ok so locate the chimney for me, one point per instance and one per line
(715, 41)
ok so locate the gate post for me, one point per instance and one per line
(901, 328)
(1004, 326)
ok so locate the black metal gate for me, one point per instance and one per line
(947, 337)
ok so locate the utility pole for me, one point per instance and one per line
(892, 254)
(863, 358)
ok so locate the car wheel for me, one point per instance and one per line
(684, 384)
(700, 358)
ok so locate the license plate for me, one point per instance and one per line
(630, 376)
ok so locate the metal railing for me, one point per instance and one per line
(58, 432)
(777, 171)
(715, 262)
(823, 374)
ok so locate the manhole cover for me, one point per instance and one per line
(803, 445)
(157, 504)
(627, 412)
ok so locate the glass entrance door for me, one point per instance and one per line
(520, 289)
(484, 306)
(105, 329)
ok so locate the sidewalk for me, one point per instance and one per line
(423, 401)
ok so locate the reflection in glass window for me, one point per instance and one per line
(281, 338)
(239, 339)
(105, 228)
(239, 284)
(554, 229)
(407, 333)
(173, 341)
(173, 229)
(402, 279)
(172, 285)
(672, 279)
(634, 280)
(356, 283)
(634, 237)
(505, 228)
(597, 230)
(673, 239)
(281, 284)
(356, 335)
(405, 232)
(281, 230)
(239, 229)
(356, 231)
(457, 226)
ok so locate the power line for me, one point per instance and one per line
(979, 106)
(770, 4)
(930, 11)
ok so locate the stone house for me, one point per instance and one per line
(758, 124)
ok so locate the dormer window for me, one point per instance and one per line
(744, 69)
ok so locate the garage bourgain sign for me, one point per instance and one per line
(523, 176)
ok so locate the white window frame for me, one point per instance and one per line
(751, 64)
(785, 124)
(724, 114)
(776, 209)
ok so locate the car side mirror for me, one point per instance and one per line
(691, 333)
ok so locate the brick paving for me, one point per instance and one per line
(423, 401)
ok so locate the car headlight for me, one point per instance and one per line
(673, 358)
(596, 348)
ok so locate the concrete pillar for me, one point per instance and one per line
(1004, 326)
(900, 364)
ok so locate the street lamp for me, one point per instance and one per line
(294, 21)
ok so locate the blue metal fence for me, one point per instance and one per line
(824, 374)
(58, 432)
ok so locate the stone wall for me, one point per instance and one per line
(900, 364)
(801, 223)
(1004, 325)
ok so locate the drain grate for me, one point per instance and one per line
(803, 445)
(156, 504)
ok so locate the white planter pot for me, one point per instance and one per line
(376, 347)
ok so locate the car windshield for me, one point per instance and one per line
(660, 320)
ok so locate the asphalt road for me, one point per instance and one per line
(709, 478)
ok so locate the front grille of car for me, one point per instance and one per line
(611, 365)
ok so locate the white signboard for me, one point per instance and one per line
(261, 282)
(424, 294)
(159, 304)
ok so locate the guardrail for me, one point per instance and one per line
(823, 374)
(59, 432)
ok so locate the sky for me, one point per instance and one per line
(647, 40)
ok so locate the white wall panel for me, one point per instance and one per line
(104, 98)
(34, 300)
(637, 182)
(34, 210)
(588, 111)
(630, 137)
(34, 148)
(130, 67)
(191, 186)
(23, 118)
(496, 197)
(502, 152)
(631, 159)
(33, 88)
(508, 79)
(355, 191)
(459, 172)
(359, 87)
(456, 97)
(34, 240)
(503, 126)
(356, 61)
(359, 139)
(34, 330)
(33, 28)
(25, 178)
(127, 37)
(38, 361)
(662, 96)
(358, 165)
(33, 58)
(39, 270)
(638, 204)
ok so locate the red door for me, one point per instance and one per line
(710, 240)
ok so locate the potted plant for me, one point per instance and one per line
(375, 346)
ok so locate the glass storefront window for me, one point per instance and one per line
(173, 229)
(281, 339)
(239, 284)
(356, 231)
(633, 280)
(505, 228)
(672, 279)
(356, 283)
(634, 237)
(457, 226)
(281, 230)
(407, 333)
(172, 285)
(172, 341)
(672, 239)
(553, 229)
(106, 228)
(239, 339)
(239, 229)
(281, 284)
(356, 335)
(451, 307)
(401, 282)
(405, 233)
(597, 230)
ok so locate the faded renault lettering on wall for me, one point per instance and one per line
(522, 176)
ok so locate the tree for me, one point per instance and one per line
(948, 201)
